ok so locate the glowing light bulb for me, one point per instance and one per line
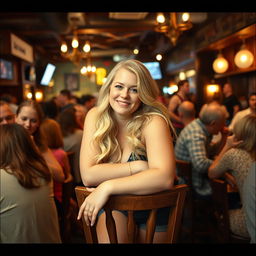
(220, 65)
(87, 47)
(136, 51)
(83, 70)
(29, 95)
(64, 47)
(244, 58)
(75, 43)
(159, 57)
(93, 69)
(160, 18)
(39, 96)
(185, 16)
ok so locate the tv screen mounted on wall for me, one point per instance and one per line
(154, 69)
(6, 69)
(48, 73)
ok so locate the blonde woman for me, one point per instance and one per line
(127, 147)
(237, 155)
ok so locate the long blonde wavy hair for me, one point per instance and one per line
(244, 130)
(106, 128)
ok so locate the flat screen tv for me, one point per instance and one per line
(154, 69)
(6, 69)
(48, 73)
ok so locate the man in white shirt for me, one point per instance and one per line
(241, 114)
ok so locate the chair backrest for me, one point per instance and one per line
(173, 198)
(184, 169)
(220, 206)
(221, 212)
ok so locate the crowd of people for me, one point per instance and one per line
(125, 141)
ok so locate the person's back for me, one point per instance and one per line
(27, 215)
(28, 212)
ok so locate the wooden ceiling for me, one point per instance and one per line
(109, 33)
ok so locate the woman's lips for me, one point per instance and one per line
(123, 103)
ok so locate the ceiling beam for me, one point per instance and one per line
(114, 29)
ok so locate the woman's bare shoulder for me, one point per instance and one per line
(156, 123)
(92, 113)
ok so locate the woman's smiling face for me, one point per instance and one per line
(123, 96)
(28, 118)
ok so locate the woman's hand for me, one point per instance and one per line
(93, 203)
(232, 142)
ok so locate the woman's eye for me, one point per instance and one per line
(134, 90)
(118, 86)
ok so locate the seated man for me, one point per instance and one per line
(194, 145)
(186, 112)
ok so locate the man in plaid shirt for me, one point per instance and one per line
(194, 145)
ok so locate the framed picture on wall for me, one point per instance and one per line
(71, 81)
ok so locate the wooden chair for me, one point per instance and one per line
(221, 208)
(198, 211)
(173, 198)
(184, 170)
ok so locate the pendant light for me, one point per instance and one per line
(220, 64)
(244, 58)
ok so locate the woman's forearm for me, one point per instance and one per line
(99, 173)
(142, 183)
(213, 172)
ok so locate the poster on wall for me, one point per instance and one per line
(71, 81)
(21, 49)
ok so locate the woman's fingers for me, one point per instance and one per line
(81, 210)
(93, 217)
(89, 212)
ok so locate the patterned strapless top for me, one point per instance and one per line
(133, 157)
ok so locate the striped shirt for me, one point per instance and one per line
(193, 145)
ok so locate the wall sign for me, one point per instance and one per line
(21, 49)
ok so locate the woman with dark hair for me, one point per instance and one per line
(72, 138)
(28, 212)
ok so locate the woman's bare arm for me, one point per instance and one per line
(54, 166)
(93, 174)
